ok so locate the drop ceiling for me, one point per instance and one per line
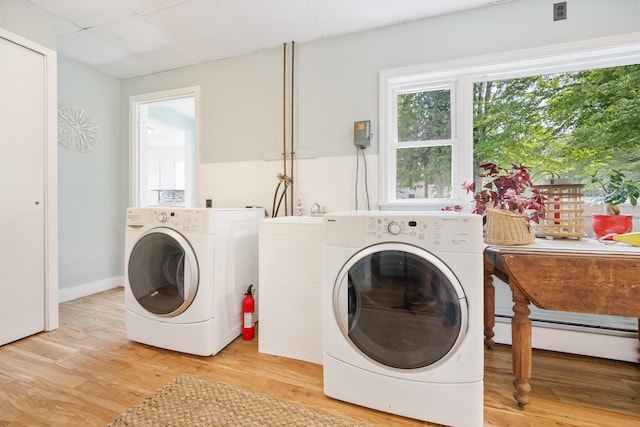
(128, 38)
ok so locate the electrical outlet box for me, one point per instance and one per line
(362, 133)
(560, 11)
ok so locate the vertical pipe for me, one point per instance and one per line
(292, 112)
(284, 121)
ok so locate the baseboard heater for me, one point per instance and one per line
(621, 331)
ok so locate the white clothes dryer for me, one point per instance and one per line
(186, 272)
(403, 313)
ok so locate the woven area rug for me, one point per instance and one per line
(194, 401)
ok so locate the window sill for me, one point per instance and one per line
(416, 205)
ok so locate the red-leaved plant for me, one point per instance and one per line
(508, 189)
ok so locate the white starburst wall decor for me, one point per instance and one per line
(77, 129)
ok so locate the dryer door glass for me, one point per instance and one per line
(163, 273)
(401, 306)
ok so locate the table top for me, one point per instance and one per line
(584, 276)
(584, 245)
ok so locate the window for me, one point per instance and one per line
(572, 125)
(427, 124)
(164, 135)
(423, 143)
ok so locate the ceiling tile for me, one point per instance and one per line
(126, 38)
(347, 16)
(412, 10)
(166, 59)
(87, 13)
(198, 24)
(271, 23)
(135, 36)
(144, 6)
(209, 50)
(85, 48)
(64, 27)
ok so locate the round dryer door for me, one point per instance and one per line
(401, 306)
(163, 272)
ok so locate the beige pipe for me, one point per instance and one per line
(284, 121)
(292, 116)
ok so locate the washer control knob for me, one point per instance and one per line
(162, 217)
(394, 228)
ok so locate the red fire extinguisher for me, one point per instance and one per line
(248, 308)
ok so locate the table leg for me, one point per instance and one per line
(489, 305)
(521, 347)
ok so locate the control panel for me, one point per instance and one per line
(362, 134)
(386, 227)
(180, 219)
(447, 232)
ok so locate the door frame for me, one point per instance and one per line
(50, 147)
(134, 148)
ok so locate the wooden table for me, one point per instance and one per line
(584, 276)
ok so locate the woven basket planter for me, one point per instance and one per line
(507, 228)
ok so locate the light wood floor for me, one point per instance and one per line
(87, 372)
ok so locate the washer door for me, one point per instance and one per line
(401, 306)
(163, 272)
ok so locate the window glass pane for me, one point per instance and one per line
(424, 116)
(423, 172)
(571, 124)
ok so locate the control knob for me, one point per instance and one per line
(162, 217)
(394, 228)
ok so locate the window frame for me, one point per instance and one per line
(427, 86)
(597, 53)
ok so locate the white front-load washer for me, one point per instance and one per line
(403, 313)
(186, 272)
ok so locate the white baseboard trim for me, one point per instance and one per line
(616, 346)
(68, 294)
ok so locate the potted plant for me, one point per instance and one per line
(507, 189)
(617, 189)
(509, 201)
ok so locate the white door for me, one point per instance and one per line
(22, 172)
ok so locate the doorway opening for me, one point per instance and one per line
(164, 148)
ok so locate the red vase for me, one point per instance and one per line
(604, 224)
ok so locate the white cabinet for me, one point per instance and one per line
(26, 278)
(290, 287)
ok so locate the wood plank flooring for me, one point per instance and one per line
(86, 372)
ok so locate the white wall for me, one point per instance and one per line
(337, 84)
(328, 181)
(90, 199)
